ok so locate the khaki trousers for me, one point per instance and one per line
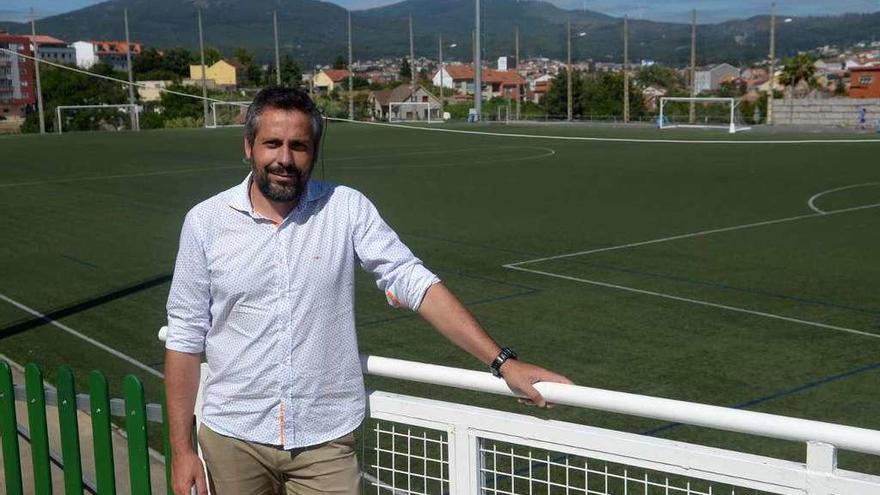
(238, 467)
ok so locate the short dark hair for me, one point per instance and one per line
(282, 98)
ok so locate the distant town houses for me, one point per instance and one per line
(223, 74)
(329, 79)
(497, 83)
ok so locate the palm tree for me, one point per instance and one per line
(797, 69)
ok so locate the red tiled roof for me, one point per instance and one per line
(459, 72)
(44, 39)
(116, 47)
(336, 75)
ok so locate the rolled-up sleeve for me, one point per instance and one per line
(189, 302)
(399, 274)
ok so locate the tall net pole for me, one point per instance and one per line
(569, 75)
(204, 76)
(772, 71)
(440, 46)
(519, 88)
(37, 73)
(625, 70)
(351, 73)
(692, 111)
(412, 63)
(277, 54)
(478, 66)
(133, 108)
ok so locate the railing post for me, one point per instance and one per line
(166, 442)
(821, 464)
(36, 406)
(9, 432)
(465, 461)
(105, 473)
(67, 421)
(136, 429)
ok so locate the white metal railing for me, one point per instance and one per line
(413, 445)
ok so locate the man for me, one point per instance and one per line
(264, 286)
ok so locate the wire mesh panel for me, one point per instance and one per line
(404, 459)
(513, 469)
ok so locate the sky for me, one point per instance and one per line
(660, 10)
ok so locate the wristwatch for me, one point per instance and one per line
(505, 354)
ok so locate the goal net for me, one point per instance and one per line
(109, 117)
(228, 113)
(414, 112)
(708, 112)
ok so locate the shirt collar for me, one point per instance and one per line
(240, 198)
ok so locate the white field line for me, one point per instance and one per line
(812, 201)
(62, 326)
(692, 234)
(695, 301)
(611, 140)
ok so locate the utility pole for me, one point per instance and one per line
(350, 74)
(37, 73)
(692, 112)
(478, 67)
(440, 45)
(204, 76)
(277, 54)
(519, 88)
(772, 71)
(569, 75)
(412, 63)
(625, 70)
(135, 125)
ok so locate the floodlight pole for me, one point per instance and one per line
(692, 111)
(133, 109)
(204, 76)
(412, 63)
(519, 88)
(625, 69)
(350, 74)
(772, 71)
(277, 54)
(478, 67)
(37, 73)
(568, 76)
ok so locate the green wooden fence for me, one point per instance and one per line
(98, 403)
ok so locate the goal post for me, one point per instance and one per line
(104, 116)
(713, 112)
(414, 111)
(228, 114)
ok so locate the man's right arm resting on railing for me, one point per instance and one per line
(182, 373)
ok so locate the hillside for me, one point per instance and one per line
(315, 31)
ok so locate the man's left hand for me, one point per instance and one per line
(521, 378)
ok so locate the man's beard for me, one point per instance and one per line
(281, 193)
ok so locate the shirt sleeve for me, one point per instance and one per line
(189, 302)
(399, 274)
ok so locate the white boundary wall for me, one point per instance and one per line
(843, 112)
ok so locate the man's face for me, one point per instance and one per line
(281, 155)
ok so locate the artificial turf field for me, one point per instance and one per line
(745, 296)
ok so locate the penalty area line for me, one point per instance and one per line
(102, 346)
(694, 301)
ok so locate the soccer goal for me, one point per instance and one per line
(109, 117)
(421, 111)
(228, 114)
(709, 112)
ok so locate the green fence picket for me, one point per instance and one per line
(36, 406)
(136, 429)
(105, 474)
(9, 432)
(166, 442)
(69, 425)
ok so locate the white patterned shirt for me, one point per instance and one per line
(272, 307)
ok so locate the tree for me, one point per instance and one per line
(556, 98)
(177, 60)
(339, 63)
(212, 56)
(291, 74)
(659, 76)
(799, 68)
(405, 70)
(602, 95)
(253, 73)
(178, 106)
(65, 87)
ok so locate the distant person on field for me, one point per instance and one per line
(863, 117)
(264, 287)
